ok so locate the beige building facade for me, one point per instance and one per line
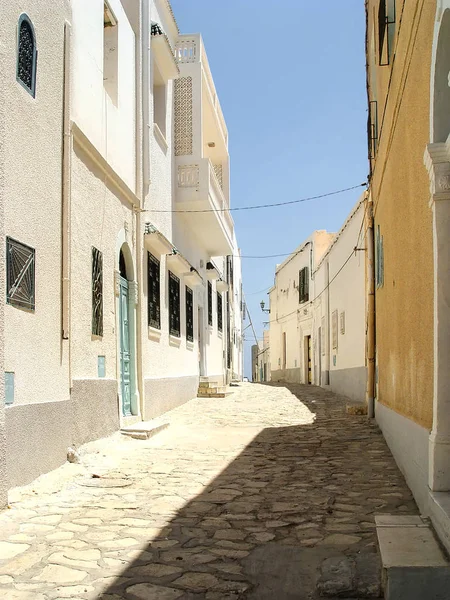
(118, 300)
(408, 144)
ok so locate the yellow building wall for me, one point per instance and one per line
(400, 190)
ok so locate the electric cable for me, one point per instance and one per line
(258, 206)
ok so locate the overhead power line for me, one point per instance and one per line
(258, 206)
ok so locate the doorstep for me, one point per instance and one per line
(414, 567)
(143, 430)
(439, 509)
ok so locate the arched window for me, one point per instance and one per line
(26, 55)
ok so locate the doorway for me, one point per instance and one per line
(308, 361)
(125, 378)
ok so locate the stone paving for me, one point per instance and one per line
(269, 493)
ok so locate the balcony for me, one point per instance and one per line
(199, 189)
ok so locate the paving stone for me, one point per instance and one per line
(8, 550)
(230, 534)
(118, 543)
(340, 539)
(73, 591)
(147, 591)
(22, 595)
(60, 574)
(197, 582)
(154, 570)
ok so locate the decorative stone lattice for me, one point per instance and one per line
(183, 116)
(218, 172)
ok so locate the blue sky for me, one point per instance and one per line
(290, 75)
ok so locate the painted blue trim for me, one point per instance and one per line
(9, 388)
(32, 91)
(101, 366)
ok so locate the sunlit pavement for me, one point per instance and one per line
(269, 493)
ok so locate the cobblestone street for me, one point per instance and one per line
(268, 493)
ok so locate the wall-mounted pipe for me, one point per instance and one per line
(370, 341)
(66, 193)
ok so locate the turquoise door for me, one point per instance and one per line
(125, 348)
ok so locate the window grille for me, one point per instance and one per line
(189, 315)
(183, 116)
(174, 305)
(20, 274)
(303, 285)
(97, 292)
(154, 292)
(210, 307)
(372, 129)
(219, 312)
(26, 55)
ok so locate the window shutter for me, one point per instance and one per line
(210, 309)
(189, 315)
(154, 292)
(219, 312)
(306, 284)
(174, 305)
(97, 292)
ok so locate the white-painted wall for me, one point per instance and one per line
(346, 295)
(287, 316)
(109, 126)
(32, 145)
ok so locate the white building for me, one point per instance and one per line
(340, 311)
(116, 302)
(318, 311)
(291, 311)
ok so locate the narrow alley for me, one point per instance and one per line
(268, 493)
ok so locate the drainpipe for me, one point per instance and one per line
(370, 342)
(142, 176)
(327, 355)
(66, 182)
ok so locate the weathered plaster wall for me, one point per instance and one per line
(3, 471)
(32, 143)
(400, 188)
(38, 436)
(95, 409)
(166, 393)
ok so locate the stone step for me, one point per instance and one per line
(143, 430)
(414, 566)
(218, 393)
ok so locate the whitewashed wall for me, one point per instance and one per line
(109, 127)
(346, 296)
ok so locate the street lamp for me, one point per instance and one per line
(262, 304)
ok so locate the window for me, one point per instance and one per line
(154, 294)
(174, 305)
(20, 274)
(379, 258)
(334, 329)
(303, 285)
(97, 292)
(372, 128)
(26, 55)
(219, 312)
(386, 31)
(210, 307)
(189, 315)
(110, 53)
(342, 322)
(159, 100)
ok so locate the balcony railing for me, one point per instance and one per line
(189, 50)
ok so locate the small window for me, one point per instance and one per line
(20, 274)
(219, 312)
(26, 55)
(372, 128)
(342, 322)
(379, 258)
(174, 305)
(386, 31)
(303, 285)
(189, 315)
(154, 292)
(159, 100)
(210, 306)
(97, 292)
(110, 53)
(334, 329)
